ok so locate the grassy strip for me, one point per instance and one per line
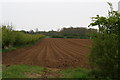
(17, 71)
(75, 73)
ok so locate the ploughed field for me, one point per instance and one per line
(52, 53)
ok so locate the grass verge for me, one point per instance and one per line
(19, 71)
(26, 71)
(75, 73)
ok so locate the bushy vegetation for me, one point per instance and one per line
(104, 55)
(22, 38)
(78, 32)
(14, 38)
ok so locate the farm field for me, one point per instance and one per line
(52, 53)
(48, 40)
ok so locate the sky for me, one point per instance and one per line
(119, 7)
(51, 14)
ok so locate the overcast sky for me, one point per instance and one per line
(51, 14)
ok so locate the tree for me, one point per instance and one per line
(31, 31)
(104, 54)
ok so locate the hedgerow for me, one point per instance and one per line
(13, 38)
(104, 57)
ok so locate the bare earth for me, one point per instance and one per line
(52, 53)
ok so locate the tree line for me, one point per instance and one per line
(71, 32)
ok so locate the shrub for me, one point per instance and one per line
(104, 54)
(13, 38)
(8, 36)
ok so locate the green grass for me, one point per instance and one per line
(75, 73)
(17, 71)
(48, 37)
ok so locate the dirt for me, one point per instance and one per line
(32, 75)
(46, 73)
(52, 53)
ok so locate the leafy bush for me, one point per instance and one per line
(104, 54)
(8, 36)
(13, 38)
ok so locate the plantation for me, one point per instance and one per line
(11, 38)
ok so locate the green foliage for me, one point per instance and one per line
(22, 38)
(57, 36)
(13, 38)
(8, 36)
(104, 53)
(18, 71)
(75, 73)
(78, 32)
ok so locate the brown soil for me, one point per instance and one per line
(52, 53)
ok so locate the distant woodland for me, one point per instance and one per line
(71, 32)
